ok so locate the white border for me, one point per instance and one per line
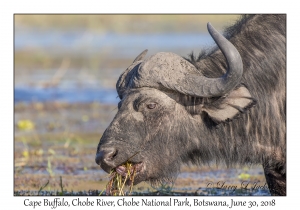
(8, 8)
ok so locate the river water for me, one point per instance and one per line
(85, 84)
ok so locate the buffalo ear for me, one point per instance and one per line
(140, 56)
(229, 106)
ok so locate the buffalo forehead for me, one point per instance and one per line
(163, 66)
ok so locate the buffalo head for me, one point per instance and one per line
(165, 109)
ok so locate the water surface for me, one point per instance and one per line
(112, 46)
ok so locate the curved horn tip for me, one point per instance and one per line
(141, 56)
(211, 29)
(145, 51)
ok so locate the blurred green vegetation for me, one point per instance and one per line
(39, 59)
(124, 23)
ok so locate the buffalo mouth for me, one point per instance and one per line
(136, 170)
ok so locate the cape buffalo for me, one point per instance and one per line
(226, 105)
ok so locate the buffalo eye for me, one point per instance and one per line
(151, 106)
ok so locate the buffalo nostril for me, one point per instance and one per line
(106, 155)
(111, 154)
